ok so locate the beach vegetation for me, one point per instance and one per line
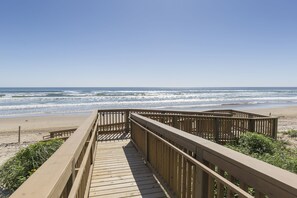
(18, 168)
(266, 149)
(292, 133)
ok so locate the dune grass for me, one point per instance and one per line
(268, 150)
(17, 169)
(291, 133)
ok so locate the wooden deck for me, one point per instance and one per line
(94, 161)
(119, 171)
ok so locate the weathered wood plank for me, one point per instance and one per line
(119, 171)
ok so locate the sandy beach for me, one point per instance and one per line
(287, 116)
(287, 121)
(34, 128)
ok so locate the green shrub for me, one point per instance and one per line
(17, 169)
(256, 143)
(268, 150)
(292, 133)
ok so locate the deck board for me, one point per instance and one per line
(119, 171)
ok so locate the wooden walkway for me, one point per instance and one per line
(119, 171)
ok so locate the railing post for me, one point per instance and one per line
(201, 178)
(19, 135)
(174, 121)
(145, 145)
(163, 118)
(127, 128)
(275, 128)
(73, 174)
(216, 128)
(252, 122)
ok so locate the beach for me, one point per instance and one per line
(287, 116)
(34, 128)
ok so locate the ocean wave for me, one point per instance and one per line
(49, 100)
(130, 94)
(137, 99)
(176, 102)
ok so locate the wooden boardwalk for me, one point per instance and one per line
(119, 171)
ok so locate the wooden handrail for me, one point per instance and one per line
(271, 180)
(79, 186)
(67, 171)
(202, 116)
(59, 133)
(165, 112)
(56, 176)
(203, 167)
(242, 113)
(218, 128)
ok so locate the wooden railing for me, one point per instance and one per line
(219, 125)
(191, 166)
(63, 134)
(114, 123)
(222, 127)
(236, 113)
(217, 128)
(66, 173)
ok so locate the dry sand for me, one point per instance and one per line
(287, 121)
(287, 116)
(34, 128)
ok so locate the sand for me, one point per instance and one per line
(287, 116)
(287, 121)
(34, 128)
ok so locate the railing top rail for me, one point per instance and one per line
(203, 116)
(237, 111)
(176, 111)
(219, 112)
(63, 130)
(166, 111)
(283, 179)
(50, 179)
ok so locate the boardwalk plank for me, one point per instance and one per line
(119, 171)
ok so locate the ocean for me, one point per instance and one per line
(15, 102)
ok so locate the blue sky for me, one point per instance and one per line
(148, 43)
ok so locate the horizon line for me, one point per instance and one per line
(149, 87)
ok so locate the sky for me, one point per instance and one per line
(155, 43)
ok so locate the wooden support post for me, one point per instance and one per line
(275, 128)
(96, 132)
(252, 125)
(19, 135)
(174, 121)
(216, 129)
(73, 171)
(145, 145)
(201, 186)
(127, 121)
(91, 156)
